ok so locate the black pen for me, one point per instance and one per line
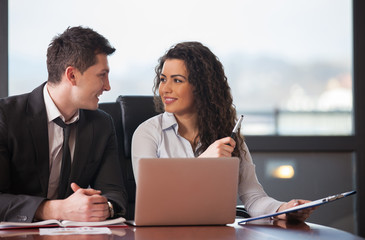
(238, 125)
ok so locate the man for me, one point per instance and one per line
(40, 178)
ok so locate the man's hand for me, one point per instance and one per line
(221, 148)
(85, 205)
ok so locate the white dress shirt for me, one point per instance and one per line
(55, 141)
(159, 137)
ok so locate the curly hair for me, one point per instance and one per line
(77, 47)
(212, 94)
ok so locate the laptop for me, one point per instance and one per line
(186, 191)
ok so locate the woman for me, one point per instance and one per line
(191, 88)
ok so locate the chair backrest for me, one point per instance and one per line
(128, 112)
(135, 110)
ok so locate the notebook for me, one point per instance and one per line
(186, 191)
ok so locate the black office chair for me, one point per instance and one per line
(128, 112)
(242, 212)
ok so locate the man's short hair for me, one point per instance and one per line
(77, 47)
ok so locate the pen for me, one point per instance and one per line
(235, 129)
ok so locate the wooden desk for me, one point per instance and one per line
(272, 230)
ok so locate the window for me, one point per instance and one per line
(289, 63)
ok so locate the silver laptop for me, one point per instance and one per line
(186, 191)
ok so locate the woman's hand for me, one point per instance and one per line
(300, 215)
(221, 148)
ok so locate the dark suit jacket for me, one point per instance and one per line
(24, 156)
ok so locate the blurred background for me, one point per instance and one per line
(289, 64)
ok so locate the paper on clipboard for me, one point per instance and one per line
(302, 206)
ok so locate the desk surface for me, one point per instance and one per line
(263, 230)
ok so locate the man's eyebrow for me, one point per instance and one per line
(102, 72)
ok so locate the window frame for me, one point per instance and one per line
(4, 65)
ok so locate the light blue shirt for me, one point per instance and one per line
(158, 137)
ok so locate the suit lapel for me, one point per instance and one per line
(38, 128)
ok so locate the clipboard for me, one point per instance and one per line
(302, 206)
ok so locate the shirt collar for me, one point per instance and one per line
(52, 110)
(169, 121)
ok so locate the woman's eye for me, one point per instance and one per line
(162, 80)
(178, 80)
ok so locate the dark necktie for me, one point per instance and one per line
(66, 158)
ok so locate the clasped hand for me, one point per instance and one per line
(86, 205)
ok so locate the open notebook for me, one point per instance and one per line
(186, 191)
(118, 222)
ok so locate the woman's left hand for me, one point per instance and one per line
(300, 215)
